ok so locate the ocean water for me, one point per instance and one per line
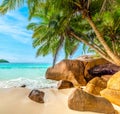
(30, 74)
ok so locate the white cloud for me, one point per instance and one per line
(17, 15)
(14, 24)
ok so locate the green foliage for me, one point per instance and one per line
(10, 5)
(60, 18)
(111, 28)
(52, 34)
(3, 61)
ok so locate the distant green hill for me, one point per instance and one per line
(3, 61)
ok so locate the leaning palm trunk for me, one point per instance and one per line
(112, 55)
(102, 54)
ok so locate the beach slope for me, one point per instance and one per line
(16, 101)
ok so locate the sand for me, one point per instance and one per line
(16, 101)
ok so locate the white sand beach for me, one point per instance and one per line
(16, 101)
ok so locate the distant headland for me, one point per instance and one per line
(3, 61)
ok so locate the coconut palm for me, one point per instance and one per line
(87, 8)
(51, 34)
(74, 15)
(111, 29)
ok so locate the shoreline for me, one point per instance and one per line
(16, 101)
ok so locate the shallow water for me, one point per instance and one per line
(30, 74)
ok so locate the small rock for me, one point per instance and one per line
(37, 96)
(64, 84)
(23, 86)
(96, 85)
(82, 101)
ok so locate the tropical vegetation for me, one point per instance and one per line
(67, 23)
(3, 61)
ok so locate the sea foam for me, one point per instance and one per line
(30, 74)
(30, 83)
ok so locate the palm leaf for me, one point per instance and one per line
(10, 5)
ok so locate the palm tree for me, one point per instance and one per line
(73, 15)
(88, 9)
(51, 34)
(10, 5)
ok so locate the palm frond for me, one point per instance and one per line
(10, 5)
(32, 26)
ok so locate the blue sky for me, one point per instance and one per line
(16, 41)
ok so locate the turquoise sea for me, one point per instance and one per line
(30, 74)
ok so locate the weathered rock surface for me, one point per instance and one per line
(64, 84)
(112, 92)
(89, 62)
(37, 96)
(75, 71)
(104, 69)
(82, 101)
(95, 85)
(69, 70)
(106, 77)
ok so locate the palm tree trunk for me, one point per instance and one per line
(114, 57)
(101, 53)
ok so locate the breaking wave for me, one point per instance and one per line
(30, 83)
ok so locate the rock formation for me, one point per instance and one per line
(104, 69)
(37, 96)
(69, 70)
(106, 77)
(74, 71)
(82, 101)
(112, 92)
(90, 62)
(95, 85)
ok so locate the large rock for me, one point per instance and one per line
(82, 101)
(112, 92)
(69, 70)
(95, 85)
(75, 71)
(104, 69)
(62, 84)
(90, 62)
(37, 96)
